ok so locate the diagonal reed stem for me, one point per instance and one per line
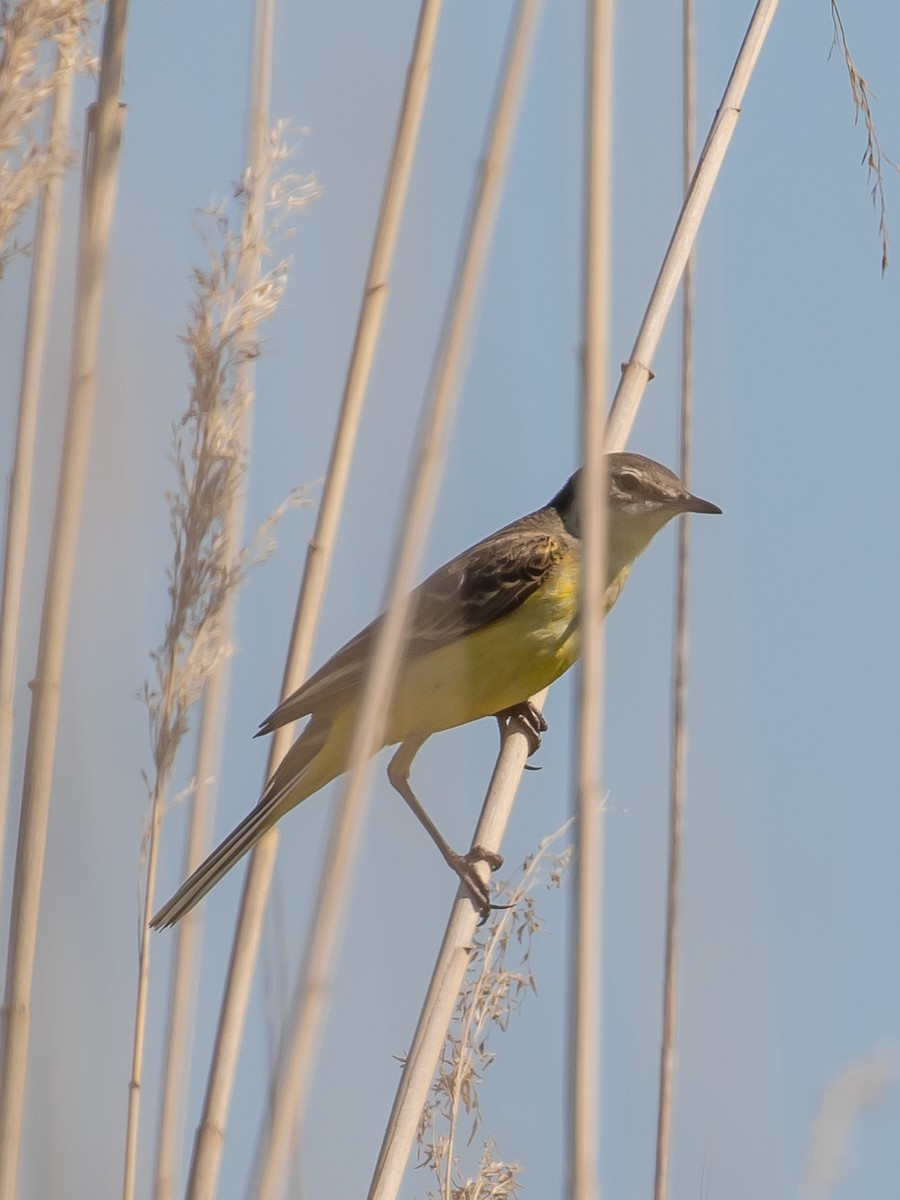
(447, 977)
(637, 372)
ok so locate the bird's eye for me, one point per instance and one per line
(628, 482)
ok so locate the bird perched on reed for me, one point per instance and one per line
(490, 628)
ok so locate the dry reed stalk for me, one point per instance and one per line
(438, 1007)
(300, 1041)
(209, 1138)
(27, 83)
(43, 275)
(587, 922)
(637, 372)
(492, 990)
(678, 758)
(183, 981)
(98, 202)
(874, 158)
(447, 977)
(231, 304)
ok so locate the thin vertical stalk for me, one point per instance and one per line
(667, 1061)
(182, 989)
(447, 978)
(210, 1134)
(98, 201)
(587, 924)
(43, 274)
(182, 995)
(132, 1118)
(637, 372)
(314, 983)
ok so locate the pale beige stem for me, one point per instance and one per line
(313, 986)
(183, 987)
(210, 1134)
(101, 174)
(638, 370)
(43, 275)
(586, 934)
(183, 984)
(135, 1082)
(667, 1061)
(447, 977)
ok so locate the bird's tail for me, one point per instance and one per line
(219, 863)
(292, 782)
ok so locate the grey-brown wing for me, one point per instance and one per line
(478, 587)
(483, 585)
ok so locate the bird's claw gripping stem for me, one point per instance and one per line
(532, 722)
(464, 866)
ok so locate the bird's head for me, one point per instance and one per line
(643, 497)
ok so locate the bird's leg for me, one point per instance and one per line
(532, 720)
(462, 864)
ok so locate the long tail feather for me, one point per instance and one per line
(281, 793)
(241, 839)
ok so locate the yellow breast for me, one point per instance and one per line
(497, 666)
(500, 665)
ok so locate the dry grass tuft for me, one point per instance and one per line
(40, 42)
(207, 443)
(874, 158)
(498, 979)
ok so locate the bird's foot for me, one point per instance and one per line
(464, 865)
(531, 719)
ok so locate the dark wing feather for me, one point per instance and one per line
(478, 587)
(482, 586)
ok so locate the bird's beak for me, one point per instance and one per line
(694, 504)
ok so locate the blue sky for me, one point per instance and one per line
(790, 963)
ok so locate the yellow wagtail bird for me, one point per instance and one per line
(490, 628)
